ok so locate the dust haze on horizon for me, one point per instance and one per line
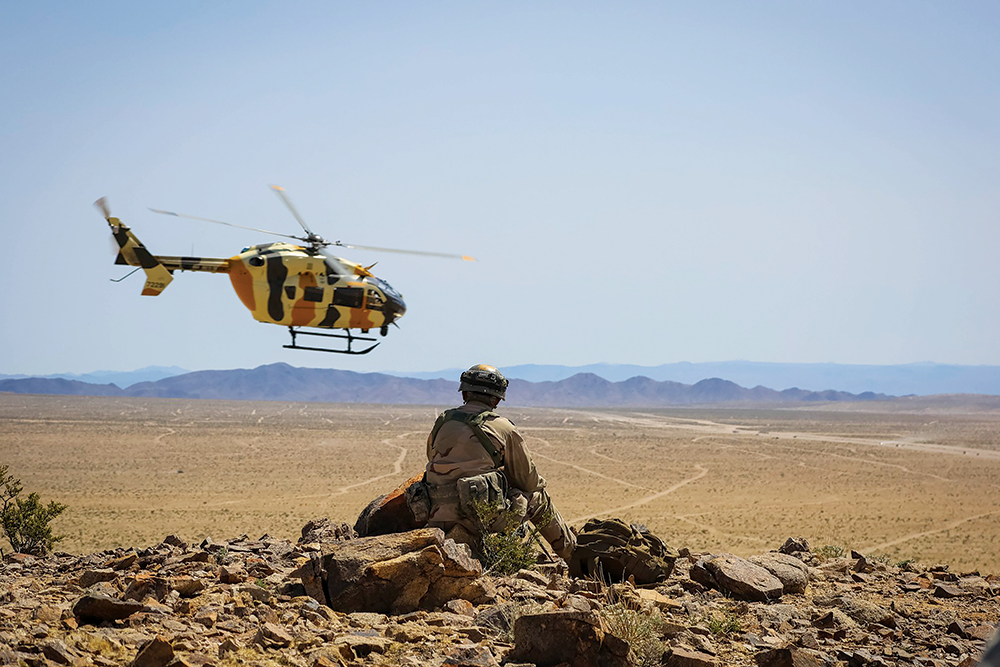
(641, 184)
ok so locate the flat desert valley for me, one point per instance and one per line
(913, 481)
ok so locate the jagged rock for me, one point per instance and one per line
(739, 577)
(790, 571)
(125, 562)
(461, 607)
(91, 577)
(186, 586)
(396, 573)
(788, 656)
(389, 513)
(866, 613)
(577, 638)
(497, 618)
(681, 657)
(795, 545)
(97, 608)
(232, 574)
(470, 655)
(947, 591)
(353, 647)
(57, 651)
(324, 530)
(228, 645)
(175, 541)
(272, 635)
(157, 652)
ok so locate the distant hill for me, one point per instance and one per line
(120, 378)
(281, 382)
(922, 379)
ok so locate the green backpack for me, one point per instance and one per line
(612, 550)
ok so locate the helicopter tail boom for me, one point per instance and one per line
(209, 264)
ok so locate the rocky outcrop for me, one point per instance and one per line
(577, 638)
(244, 601)
(396, 573)
(738, 577)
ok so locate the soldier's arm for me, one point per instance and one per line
(518, 466)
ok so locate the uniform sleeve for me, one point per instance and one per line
(518, 466)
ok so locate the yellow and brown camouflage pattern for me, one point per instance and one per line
(279, 283)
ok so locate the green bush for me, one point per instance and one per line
(831, 551)
(727, 624)
(509, 549)
(26, 520)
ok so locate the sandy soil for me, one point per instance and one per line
(919, 484)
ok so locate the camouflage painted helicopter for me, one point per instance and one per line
(285, 283)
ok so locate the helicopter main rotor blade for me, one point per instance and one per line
(227, 224)
(425, 253)
(291, 207)
(339, 267)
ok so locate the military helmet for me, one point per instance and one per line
(483, 379)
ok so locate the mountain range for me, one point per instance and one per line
(922, 379)
(282, 382)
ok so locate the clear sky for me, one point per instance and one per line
(641, 182)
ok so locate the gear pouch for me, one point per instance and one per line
(483, 498)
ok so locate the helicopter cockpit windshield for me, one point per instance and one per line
(385, 287)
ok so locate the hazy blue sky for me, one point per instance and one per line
(642, 182)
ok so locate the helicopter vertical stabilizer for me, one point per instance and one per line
(131, 251)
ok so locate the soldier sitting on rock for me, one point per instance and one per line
(477, 464)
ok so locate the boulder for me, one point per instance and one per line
(788, 656)
(576, 638)
(469, 655)
(736, 576)
(157, 652)
(789, 570)
(272, 635)
(395, 573)
(96, 608)
(91, 577)
(388, 513)
(866, 613)
(794, 545)
(324, 530)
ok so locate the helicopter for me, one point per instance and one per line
(300, 286)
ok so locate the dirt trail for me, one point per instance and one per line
(708, 428)
(539, 455)
(914, 536)
(702, 471)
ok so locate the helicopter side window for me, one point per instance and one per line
(313, 294)
(375, 300)
(348, 296)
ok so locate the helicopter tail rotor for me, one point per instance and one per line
(131, 251)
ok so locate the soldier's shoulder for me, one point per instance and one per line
(501, 421)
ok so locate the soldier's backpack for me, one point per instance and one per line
(475, 422)
(612, 550)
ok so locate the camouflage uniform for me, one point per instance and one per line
(457, 453)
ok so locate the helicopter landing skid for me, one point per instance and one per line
(348, 337)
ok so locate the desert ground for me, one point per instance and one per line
(904, 482)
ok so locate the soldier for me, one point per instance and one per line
(476, 459)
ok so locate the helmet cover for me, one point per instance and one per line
(484, 379)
